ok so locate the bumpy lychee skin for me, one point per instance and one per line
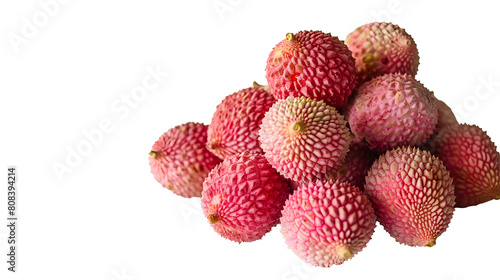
(326, 223)
(474, 163)
(412, 194)
(236, 122)
(179, 160)
(380, 48)
(392, 110)
(243, 197)
(304, 139)
(446, 120)
(311, 64)
(358, 161)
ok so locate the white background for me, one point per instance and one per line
(105, 217)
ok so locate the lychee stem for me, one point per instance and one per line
(298, 126)
(431, 243)
(213, 218)
(497, 195)
(153, 154)
(344, 252)
(257, 85)
(212, 145)
(290, 37)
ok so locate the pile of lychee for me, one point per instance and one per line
(342, 136)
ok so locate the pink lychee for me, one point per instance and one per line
(179, 160)
(413, 195)
(304, 139)
(235, 123)
(446, 120)
(473, 161)
(243, 197)
(390, 111)
(380, 48)
(326, 223)
(358, 161)
(311, 64)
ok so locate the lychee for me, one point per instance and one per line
(412, 194)
(236, 122)
(446, 120)
(326, 223)
(392, 110)
(179, 160)
(473, 161)
(380, 48)
(304, 139)
(311, 64)
(358, 161)
(243, 197)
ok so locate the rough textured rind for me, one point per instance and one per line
(243, 197)
(473, 161)
(446, 120)
(236, 121)
(304, 139)
(412, 194)
(311, 64)
(390, 111)
(326, 223)
(380, 48)
(179, 160)
(358, 161)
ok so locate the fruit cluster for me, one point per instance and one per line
(342, 136)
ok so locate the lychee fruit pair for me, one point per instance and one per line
(324, 223)
(317, 65)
